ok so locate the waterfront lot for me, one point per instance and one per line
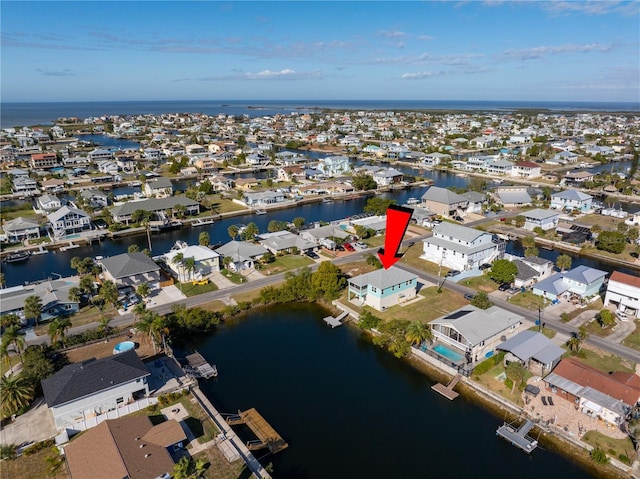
(285, 263)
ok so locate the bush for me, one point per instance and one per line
(368, 320)
(598, 456)
(170, 398)
(39, 446)
(624, 459)
(8, 451)
(488, 363)
(508, 383)
(611, 241)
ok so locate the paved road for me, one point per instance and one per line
(602, 343)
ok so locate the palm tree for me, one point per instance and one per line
(103, 325)
(86, 284)
(418, 332)
(4, 353)
(528, 242)
(74, 294)
(250, 231)
(150, 325)
(33, 307)
(563, 262)
(14, 336)
(190, 266)
(109, 292)
(233, 231)
(139, 310)
(178, 260)
(15, 393)
(57, 329)
(9, 320)
(204, 239)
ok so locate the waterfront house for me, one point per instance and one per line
(130, 447)
(206, 165)
(100, 154)
(243, 254)
(334, 166)
(53, 293)
(383, 288)
(286, 242)
(539, 218)
(443, 201)
(20, 229)
(96, 198)
(582, 281)
(257, 160)
(205, 261)
(246, 184)
(609, 397)
(160, 187)
(500, 167)
(319, 234)
(131, 269)
(512, 196)
(291, 173)
(474, 333)
(48, 203)
(434, 159)
(533, 350)
(479, 163)
(564, 157)
(24, 185)
(44, 161)
(68, 220)
(263, 198)
(387, 177)
(81, 391)
(475, 201)
(126, 160)
(571, 200)
(52, 185)
(526, 169)
(158, 206)
(221, 183)
(108, 167)
(531, 269)
(623, 291)
(461, 248)
(576, 178)
(155, 154)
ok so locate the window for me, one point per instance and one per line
(119, 400)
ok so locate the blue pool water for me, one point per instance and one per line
(447, 353)
(123, 346)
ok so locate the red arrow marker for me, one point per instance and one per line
(397, 222)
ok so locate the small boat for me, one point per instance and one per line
(179, 245)
(202, 222)
(70, 246)
(41, 250)
(413, 201)
(260, 212)
(15, 257)
(327, 200)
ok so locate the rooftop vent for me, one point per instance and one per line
(147, 455)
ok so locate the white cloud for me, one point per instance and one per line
(284, 74)
(536, 53)
(392, 34)
(56, 73)
(598, 7)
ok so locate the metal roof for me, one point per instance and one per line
(531, 344)
(458, 232)
(383, 278)
(442, 195)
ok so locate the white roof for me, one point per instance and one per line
(197, 252)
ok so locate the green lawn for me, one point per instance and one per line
(285, 263)
(526, 300)
(490, 380)
(234, 277)
(480, 283)
(603, 361)
(595, 306)
(549, 333)
(220, 206)
(594, 328)
(633, 340)
(189, 289)
(613, 447)
(412, 256)
(376, 241)
(34, 466)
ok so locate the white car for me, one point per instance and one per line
(621, 316)
(360, 245)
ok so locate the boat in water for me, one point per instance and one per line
(15, 257)
(202, 222)
(260, 212)
(327, 200)
(413, 201)
(71, 245)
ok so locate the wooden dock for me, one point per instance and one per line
(335, 322)
(518, 436)
(267, 436)
(447, 391)
(200, 367)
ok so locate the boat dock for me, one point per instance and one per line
(447, 391)
(200, 367)
(518, 437)
(335, 322)
(267, 436)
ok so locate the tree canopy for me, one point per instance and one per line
(503, 271)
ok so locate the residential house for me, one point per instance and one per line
(24, 185)
(68, 220)
(48, 203)
(576, 178)
(128, 447)
(512, 196)
(623, 291)
(500, 167)
(221, 183)
(20, 229)
(96, 198)
(160, 187)
(564, 157)
(434, 159)
(461, 248)
(531, 269)
(53, 293)
(53, 185)
(158, 206)
(387, 177)
(286, 242)
(539, 218)
(609, 397)
(257, 160)
(126, 160)
(81, 391)
(44, 161)
(582, 281)
(205, 262)
(243, 254)
(334, 166)
(475, 333)
(377, 223)
(383, 288)
(263, 198)
(475, 201)
(443, 201)
(246, 184)
(480, 162)
(320, 234)
(131, 269)
(291, 173)
(154, 154)
(571, 200)
(598, 150)
(206, 165)
(533, 350)
(100, 154)
(526, 169)
(109, 167)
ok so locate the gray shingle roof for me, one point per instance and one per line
(514, 197)
(241, 250)
(89, 377)
(383, 278)
(540, 214)
(585, 274)
(442, 195)
(62, 212)
(19, 224)
(129, 264)
(152, 204)
(463, 233)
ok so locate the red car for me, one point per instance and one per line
(348, 247)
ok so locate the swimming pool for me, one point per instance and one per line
(447, 353)
(123, 346)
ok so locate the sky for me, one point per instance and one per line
(329, 50)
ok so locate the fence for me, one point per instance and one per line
(114, 414)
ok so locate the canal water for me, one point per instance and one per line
(350, 410)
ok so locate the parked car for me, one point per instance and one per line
(484, 266)
(504, 287)
(348, 247)
(469, 296)
(311, 254)
(459, 219)
(621, 316)
(360, 245)
(340, 247)
(452, 273)
(200, 282)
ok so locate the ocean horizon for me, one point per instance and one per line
(16, 114)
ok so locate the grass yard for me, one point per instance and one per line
(593, 328)
(595, 306)
(219, 468)
(624, 256)
(356, 268)
(236, 278)
(215, 305)
(549, 333)
(603, 361)
(526, 300)
(34, 466)
(249, 296)
(374, 242)
(633, 340)
(613, 447)
(189, 289)
(220, 206)
(412, 256)
(480, 283)
(91, 314)
(490, 380)
(285, 263)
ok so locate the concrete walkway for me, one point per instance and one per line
(221, 281)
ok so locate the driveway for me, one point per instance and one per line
(34, 425)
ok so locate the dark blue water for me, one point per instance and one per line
(109, 142)
(349, 410)
(45, 113)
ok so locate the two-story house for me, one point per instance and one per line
(581, 281)
(443, 201)
(68, 220)
(623, 291)
(160, 187)
(383, 288)
(526, 169)
(24, 185)
(48, 203)
(334, 166)
(571, 200)
(387, 177)
(131, 269)
(461, 248)
(539, 218)
(21, 228)
(44, 161)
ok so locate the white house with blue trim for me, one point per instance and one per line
(539, 218)
(383, 288)
(571, 200)
(334, 165)
(582, 281)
